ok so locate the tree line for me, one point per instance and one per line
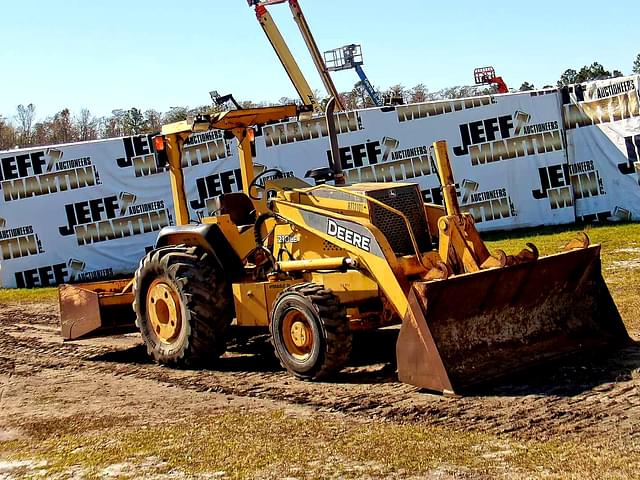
(23, 129)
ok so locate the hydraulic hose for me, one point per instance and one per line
(263, 217)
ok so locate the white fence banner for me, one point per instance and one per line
(502, 148)
(89, 211)
(602, 122)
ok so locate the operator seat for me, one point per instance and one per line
(239, 207)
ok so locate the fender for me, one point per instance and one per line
(210, 238)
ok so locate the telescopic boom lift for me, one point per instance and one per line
(487, 76)
(347, 57)
(286, 57)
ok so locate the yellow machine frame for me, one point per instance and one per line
(452, 319)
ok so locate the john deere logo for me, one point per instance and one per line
(347, 235)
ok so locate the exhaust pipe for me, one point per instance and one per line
(336, 164)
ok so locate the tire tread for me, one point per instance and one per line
(335, 326)
(205, 296)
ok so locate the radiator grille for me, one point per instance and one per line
(408, 201)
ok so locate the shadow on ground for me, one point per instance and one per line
(568, 376)
(373, 362)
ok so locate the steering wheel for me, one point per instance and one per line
(257, 178)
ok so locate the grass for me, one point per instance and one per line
(620, 251)
(16, 295)
(620, 257)
(275, 445)
(550, 240)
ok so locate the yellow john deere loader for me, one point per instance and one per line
(314, 264)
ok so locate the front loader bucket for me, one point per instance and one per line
(479, 326)
(96, 308)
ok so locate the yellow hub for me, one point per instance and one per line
(298, 334)
(163, 311)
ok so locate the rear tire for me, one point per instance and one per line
(183, 306)
(310, 331)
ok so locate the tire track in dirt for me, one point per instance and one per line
(588, 396)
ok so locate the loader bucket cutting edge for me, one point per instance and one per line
(95, 308)
(479, 326)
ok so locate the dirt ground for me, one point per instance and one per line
(591, 398)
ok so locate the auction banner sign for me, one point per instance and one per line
(90, 211)
(602, 123)
(502, 149)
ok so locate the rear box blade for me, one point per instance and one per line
(95, 308)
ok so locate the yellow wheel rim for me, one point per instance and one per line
(297, 334)
(163, 311)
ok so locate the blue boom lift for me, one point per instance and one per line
(347, 57)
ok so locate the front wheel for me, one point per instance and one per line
(310, 331)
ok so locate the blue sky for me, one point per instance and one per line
(157, 54)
